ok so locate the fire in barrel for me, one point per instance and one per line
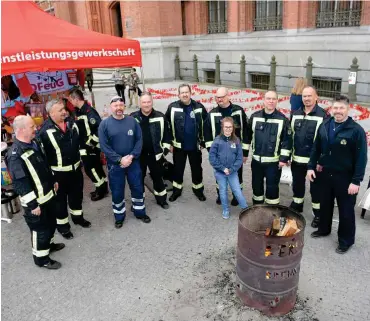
(270, 243)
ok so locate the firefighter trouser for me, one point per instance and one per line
(240, 177)
(156, 173)
(94, 170)
(117, 179)
(272, 173)
(133, 93)
(179, 162)
(69, 198)
(335, 185)
(299, 172)
(42, 231)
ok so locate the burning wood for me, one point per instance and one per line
(282, 227)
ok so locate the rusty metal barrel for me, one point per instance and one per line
(267, 267)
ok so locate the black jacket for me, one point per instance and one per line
(62, 149)
(88, 121)
(175, 117)
(159, 131)
(32, 177)
(212, 126)
(348, 152)
(304, 129)
(270, 137)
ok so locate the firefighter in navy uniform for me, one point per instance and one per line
(88, 121)
(212, 128)
(156, 143)
(60, 139)
(186, 119)
(33, 180)
(340, 152)
(305, 123)
(271, 139)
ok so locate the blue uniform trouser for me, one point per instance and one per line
(117, 179)
(335, 186)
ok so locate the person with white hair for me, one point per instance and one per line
(60, 138)
(34, 181)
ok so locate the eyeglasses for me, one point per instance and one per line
(228, 127)
(114, 100)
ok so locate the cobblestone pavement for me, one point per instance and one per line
(179, 267)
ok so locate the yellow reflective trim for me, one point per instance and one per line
(174, 184)
(35, 177)
(86, 122)
(65, 168)
(75, 212)
(35, 251)
(161, 124)
(62, 221)
(272, 202)
(285, 152)
(164, 192)
(299, 159)
(298, 200)
(166, 145)
(258, 198)
(95, 138)
(246, 146)
(198, 110)
(83, 152)
(213, 123)
(99, 181)
(56, 146)
(76, 127)
(197, 186)
(265, 159)
(316, 206)
(173, 110)
(239, 112)
(44, 199)
(28, 197)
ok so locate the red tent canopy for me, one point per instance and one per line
(33, 40)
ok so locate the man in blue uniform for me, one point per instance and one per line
(340, 151)
(121, 142)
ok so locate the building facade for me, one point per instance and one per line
(333, 33)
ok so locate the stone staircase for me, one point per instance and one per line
(102, 77)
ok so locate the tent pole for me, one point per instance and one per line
(142, 77)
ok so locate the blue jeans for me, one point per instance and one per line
(223, 180)
(117, 178)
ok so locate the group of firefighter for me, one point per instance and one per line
(331, 151)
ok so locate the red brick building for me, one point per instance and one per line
(331, 32)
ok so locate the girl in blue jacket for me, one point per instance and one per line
(226, 157)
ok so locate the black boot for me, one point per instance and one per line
(315, 222)
(82, 222)
(201, 197)
(164, 205)
(234, 201)
(100, 193)
(175, 195)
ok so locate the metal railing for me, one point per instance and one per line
(256, 78)
(268, 23)
(217, 27)
(332, 19)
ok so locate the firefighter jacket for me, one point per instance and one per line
(175, 116)
(88, 121)
(304, 127)
(32, 177)
(62, 149)
(270, 137)
(212, 126)
(345, 152)
(159, 131)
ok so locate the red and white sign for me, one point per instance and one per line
(48, 82)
